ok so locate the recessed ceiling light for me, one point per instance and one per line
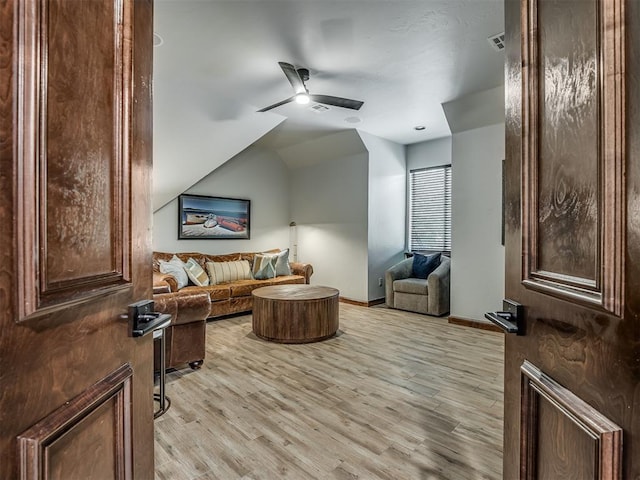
(157, 40)
(419, 127)
(353, 119)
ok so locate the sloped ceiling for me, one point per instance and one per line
(217, 65)
(475, 110)
(340, 144)
(188, 144)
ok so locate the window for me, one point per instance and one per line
(430, 209)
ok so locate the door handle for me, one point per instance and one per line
(510, 318)
(143, 320)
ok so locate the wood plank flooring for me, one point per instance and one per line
(395, 396)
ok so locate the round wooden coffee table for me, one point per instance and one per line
(295, 313)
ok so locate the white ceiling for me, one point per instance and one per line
(404, 59)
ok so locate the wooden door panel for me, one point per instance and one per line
(73, 150)
(87, 437)
(567, 101)
(562, 436)
(573, 153)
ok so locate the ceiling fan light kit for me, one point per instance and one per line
(302, 98)
(296, 78)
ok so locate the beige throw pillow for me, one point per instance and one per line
(222, 272)
(196, 274)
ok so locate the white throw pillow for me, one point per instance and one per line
(175, 268)
(196, 274)
(221, 272)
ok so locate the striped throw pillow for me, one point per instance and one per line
(196, 274)
(221, 272)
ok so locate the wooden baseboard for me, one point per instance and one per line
(370, 303)
(467, 322)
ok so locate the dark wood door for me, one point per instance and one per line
(75, 246)
(572, 212)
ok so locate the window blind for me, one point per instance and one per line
(430, 209)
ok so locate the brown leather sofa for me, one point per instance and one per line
(192, 305)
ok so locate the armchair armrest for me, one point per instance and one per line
(194, 305)
(164, 283)
(166, 303)
(304, 269)
(397, 272)
(186, 306)
(438, 286)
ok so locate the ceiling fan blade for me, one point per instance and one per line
(294, 78)
(337, 101)
(265, 109)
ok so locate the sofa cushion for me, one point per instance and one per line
(175, 268)
(220, 308)
(222, 272)
(423, 265)
(243, 288)
(216, 292)
(412, 303)
(196, 273)
(287, 279)
(417, 286)
(264, 266)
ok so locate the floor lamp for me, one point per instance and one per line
(293, 240)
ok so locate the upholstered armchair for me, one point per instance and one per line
(429, 296)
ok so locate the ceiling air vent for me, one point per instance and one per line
(319, 108)
(497, 41)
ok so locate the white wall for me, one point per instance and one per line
(387, 207)
(477, 264)
(477, 259)
(429, 154)
(256, 174)
(329, 203)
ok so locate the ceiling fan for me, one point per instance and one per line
(297, 77)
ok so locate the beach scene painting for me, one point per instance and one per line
(203, 217)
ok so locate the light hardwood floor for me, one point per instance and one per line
(395, 396)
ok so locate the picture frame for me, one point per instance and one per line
(203, 217)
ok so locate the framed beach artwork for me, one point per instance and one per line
(212, 218)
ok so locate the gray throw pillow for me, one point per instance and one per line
(282, 262)
(264, 266)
